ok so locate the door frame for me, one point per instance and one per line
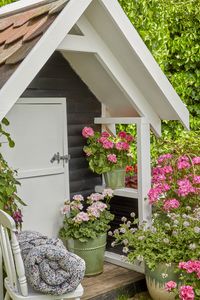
(50, 101)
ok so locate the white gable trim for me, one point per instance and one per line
(18, 6)
(38, 56)
(133, 38)
(77, 43)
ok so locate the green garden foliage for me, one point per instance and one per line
(4, 2)
(170, 30)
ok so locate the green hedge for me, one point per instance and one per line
(170, 30)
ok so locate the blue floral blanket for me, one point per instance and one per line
(49, 267)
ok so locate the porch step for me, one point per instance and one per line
(113, 282)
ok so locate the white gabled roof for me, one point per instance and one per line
(110, 57)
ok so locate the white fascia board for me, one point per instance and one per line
(31, 65)
(119, 75)
(139, 47)
(77, 43)
(14, 7)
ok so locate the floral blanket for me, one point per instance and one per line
(49, 267)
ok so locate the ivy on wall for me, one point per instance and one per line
(170, 30)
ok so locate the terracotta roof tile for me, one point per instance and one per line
(20, 32)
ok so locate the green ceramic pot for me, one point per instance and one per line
(156, 281)
(91, 251)
(115, 179)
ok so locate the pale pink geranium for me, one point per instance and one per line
(196, 160)
(186, 292)
(170, 285)
(81, 217)
(87, 132)
(65, 209)
(93, 211)
(171, 204)
(96, 197)
(183, 163)
(76, 205)
(99, 205)
(78, 197)
(112, 158)
(108, 193)
(164, 157)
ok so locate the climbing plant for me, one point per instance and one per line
(170, 30)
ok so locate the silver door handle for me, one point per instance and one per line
(57, 157)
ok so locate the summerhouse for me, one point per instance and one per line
(66, 64)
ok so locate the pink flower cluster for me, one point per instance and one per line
(107, 144)
(81, 217)
(95, 197)
(185, 187)
(122, 146)
(196, 160)
(112, 158)
(171, 204)
(87, 132)
(191, 266)
(164, 157)
(96, 208)
(157, 191)
(183, 163)
(170, 285)
(186, 292)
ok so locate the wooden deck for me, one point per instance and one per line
(112, 282)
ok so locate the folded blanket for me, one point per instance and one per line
(49, 267)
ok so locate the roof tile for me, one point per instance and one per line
(5, 34)
(5, 23)
(16, 33)
(57, 6)
(6, 52)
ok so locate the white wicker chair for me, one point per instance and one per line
(15, 283)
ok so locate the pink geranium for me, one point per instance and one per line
(112, 158)
(196, 160)
(105, 134)
(107, 144)
(81, 217)
(122, 146)
(171, 204)
(87, 132)
(122, 134)
(170, 285)
(186, 292)
(185, 187)
(183, 163)
(164, 157)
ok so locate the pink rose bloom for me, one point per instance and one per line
(108, 144)
(81, 217)
(65, 209)
(171, 204)
(170, 285)
(164, 157)
(183, 163)
(186, 292)
(105, 134)
(78, 197)
(87, 132)
(196, 160)
(122, 134)
(112, 158)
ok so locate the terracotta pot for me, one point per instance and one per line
(156, 280)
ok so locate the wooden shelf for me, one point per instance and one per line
(124, 192)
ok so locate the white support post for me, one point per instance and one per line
(144, 169)
(1, 275)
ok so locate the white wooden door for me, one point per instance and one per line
(39, 129)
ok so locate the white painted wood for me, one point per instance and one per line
(44, 185)
(119, 260)
(144, 170)
(18, 6)
(1, 275)
(7, 223)
(77, 43)
(18, 82)
(123, 192)
(119, 75)
(110, 120)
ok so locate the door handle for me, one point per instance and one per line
(57, 157)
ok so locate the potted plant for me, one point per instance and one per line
(85, 227)
(108, 155)
(173, 235)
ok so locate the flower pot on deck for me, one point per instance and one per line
(115, 179)
(157, 278)
(91, 251)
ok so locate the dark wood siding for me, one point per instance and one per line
(57, 79)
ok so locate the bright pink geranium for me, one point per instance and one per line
(164, 157)
(112, 158)
(107, 144)
(186, 292)
(105, 134)
(87, 132)
(196, 179)
(171, 204)
(170, 285)
(129, 138)
(196, 160)
(185, 187)
(122, 146)
(122, 134)
(183, 163)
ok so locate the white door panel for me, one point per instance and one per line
(38, 127)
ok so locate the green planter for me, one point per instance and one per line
(91, 251)
(115, 179)
(156, 281)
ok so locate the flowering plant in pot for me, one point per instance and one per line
(173, 235)
(190, 281)
(107, 154)
(85, 226)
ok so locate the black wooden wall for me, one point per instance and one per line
(57, 79)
